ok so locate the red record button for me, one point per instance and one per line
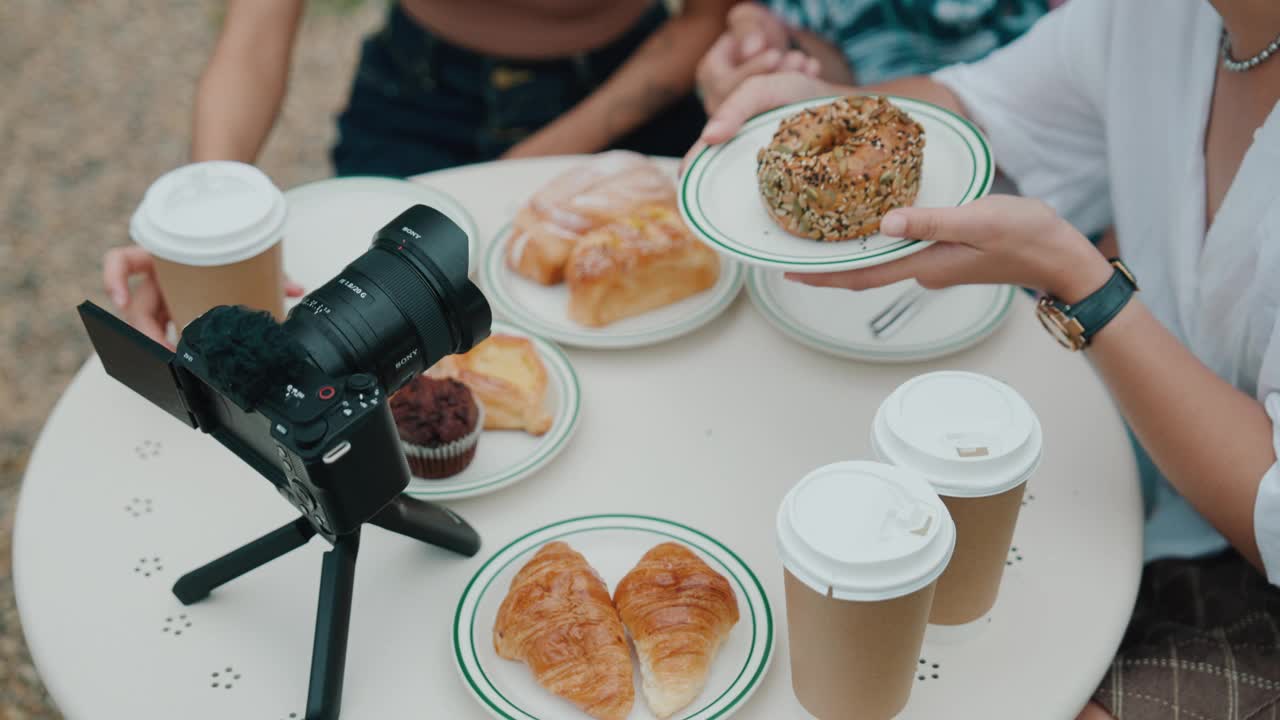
(327, 392)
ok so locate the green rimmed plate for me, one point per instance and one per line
(720, 199)
(836, 321)
(504, 457)
(612, 544)
(349, 210)
(545, 310)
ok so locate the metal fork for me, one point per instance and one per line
(897, 313)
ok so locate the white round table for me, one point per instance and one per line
(709, 430)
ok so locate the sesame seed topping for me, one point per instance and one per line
(816, 192)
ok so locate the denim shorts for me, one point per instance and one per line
(419, 103)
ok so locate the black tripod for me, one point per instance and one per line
(417, 519)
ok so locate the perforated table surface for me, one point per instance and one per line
(709, 430)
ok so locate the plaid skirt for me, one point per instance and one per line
(1203, 644)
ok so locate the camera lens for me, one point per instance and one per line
(398, 308)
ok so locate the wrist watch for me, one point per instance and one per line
(1073, 326)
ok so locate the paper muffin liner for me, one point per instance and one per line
(434, 463)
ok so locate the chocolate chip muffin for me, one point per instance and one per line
(440, 422)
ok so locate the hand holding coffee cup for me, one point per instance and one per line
(212, 233)
(862, 546)
(143, 305)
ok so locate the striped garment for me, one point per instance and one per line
(887, 39)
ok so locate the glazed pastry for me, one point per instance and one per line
(678, 611)
(606, 186)
(505, 372)
(833, 171)
(642, 262)
(557, 619)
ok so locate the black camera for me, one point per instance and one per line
(305, 402)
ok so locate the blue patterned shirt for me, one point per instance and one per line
(887, 39)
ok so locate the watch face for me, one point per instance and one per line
(1066, 330)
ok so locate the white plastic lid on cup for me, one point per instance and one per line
(864, 531)
(209, 213)
(971, 435)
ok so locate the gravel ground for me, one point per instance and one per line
(95, 99)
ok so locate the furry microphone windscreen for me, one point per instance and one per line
(247, 352)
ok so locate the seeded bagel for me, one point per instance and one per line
(833, 171)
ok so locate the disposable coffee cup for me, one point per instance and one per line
(214, 229)
(862, 546)
(978, 442)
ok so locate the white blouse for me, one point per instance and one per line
(1101, 111)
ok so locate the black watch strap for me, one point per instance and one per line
(1094, 312)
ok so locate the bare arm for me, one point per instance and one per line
(1108, 245)
(660, 72)
(243, 86)
(1210, 440)
(923, 88)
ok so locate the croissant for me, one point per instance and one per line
(505, 372)
(558, 619)
(678, 611)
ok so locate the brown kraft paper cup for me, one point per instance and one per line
(863, 545)
(853, 660)
(191, 290)
(978, 441)
(969, 586)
